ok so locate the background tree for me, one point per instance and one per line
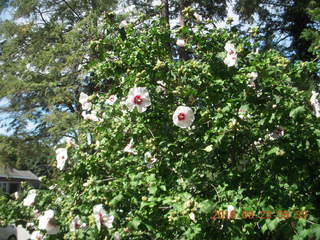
(25, 154)
(43, 58)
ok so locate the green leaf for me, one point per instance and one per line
(294, 113)
(134, 224)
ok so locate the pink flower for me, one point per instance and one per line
(252, 78)
(231, 59)
(61, 157)
(129, 148)
(231, 212)
(101, 217)
(183, 117)
(181, 42)
(36, 235)
(139, 98)
(76, 224)
(46, 222)
(83, 98)
(111, 100)
(149, 159)
(279, 132)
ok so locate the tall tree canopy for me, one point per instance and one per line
(42, 59)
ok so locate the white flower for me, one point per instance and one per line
(102, 217)
(76, 224)
(138, 97)
(53, 187)
(231, 212)
(161, 86)
(243, 114)
(230, 48)
(198, 17)
(183, 117)
(90, 116)
(129, 148)
(46, 222)
(156, 3)
(84, 98)
(315, 103)
(61, 157)
(279, 132)
(149, 159)
(16, 195)
(123, 24)
(252, 77)
(86, 106)
(36, 235)
(29, 225)
(111, 100)
(181, 42)
(93, 116)
(231, 59)
(258, 142)
(85, 115)
(29, 200)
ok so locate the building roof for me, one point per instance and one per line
(13, 173)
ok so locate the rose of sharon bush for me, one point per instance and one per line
(162, 172)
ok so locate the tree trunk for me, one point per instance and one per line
(181, 50)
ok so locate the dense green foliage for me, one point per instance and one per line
(25, 154)
(229, 156)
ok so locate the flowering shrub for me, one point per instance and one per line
(227, 130)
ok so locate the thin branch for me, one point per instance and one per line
(71, 8)
(39, 11)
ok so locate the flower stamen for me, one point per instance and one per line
(181, 116)
(137, 100)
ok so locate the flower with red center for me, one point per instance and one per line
(231, 59)
(76, 224)
(129, 148)
(101, 217)
(138, 97)
(61, 157)
(231, 212)
(277, 133)
(111, 100)
(183, 117)
(46, 222)
(149, 159)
